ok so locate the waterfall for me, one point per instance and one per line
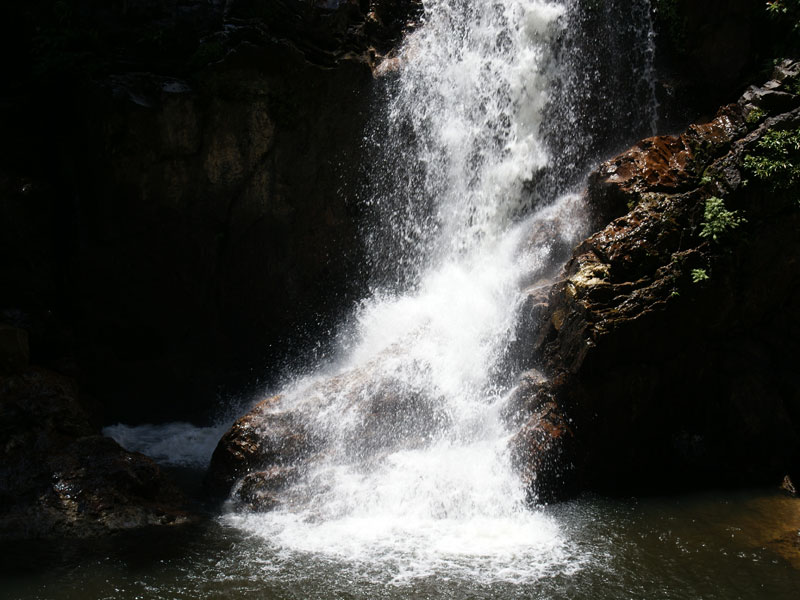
(413, 458)
(480, 147)
(412, 463)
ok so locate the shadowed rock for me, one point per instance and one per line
(664, 352)
(59, 478)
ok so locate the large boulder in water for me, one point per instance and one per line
(60, 478)
(353, 417)
(263, 438)
(668, 344)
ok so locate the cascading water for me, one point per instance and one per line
(411, 465)
(483, 139)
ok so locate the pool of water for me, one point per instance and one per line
(722, 545)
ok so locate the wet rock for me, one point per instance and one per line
(265, 437)
(663, 164)
(664, 350)
(531, 391)
(353, 417)
(59, 478)
(542, 453)
(787, 485)
(259, 491)
(396, 415)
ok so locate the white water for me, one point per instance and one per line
(415, 473)
(175, 444)
(412, 475)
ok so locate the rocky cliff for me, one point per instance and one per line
(663, 357)
(182, 181)
(179, 187)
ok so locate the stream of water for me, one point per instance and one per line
(413, 469)
(484, 136)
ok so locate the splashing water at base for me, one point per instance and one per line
(435, 491)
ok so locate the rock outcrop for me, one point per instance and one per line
(726, 42)
(265, 441)
(665, 350)
(197, 202)
(178, 187)
(60, 478)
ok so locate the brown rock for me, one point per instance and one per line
(542, 453)
(265, 437)
(377, 412)
(663, 380)
(259, 491)
(59, 478)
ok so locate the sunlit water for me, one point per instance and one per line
(412, 472)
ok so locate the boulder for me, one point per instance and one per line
(60, 478)
(353, 417)
(259, 491)
(266, 437)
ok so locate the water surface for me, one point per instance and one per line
(715, 545)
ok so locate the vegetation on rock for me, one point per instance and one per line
(775, 160)
(718, 220)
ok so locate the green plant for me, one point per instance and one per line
(707, 178)
(755, 116)
(699, 275)
(718, 220)
(776, 159)
(785, 9)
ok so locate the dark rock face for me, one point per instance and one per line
(544, 444)
(14, 350)
(709, 51)
(59, 478)
(666, 351)
(230, 198)
(196, 203)
(331, 30)
(177, 193)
